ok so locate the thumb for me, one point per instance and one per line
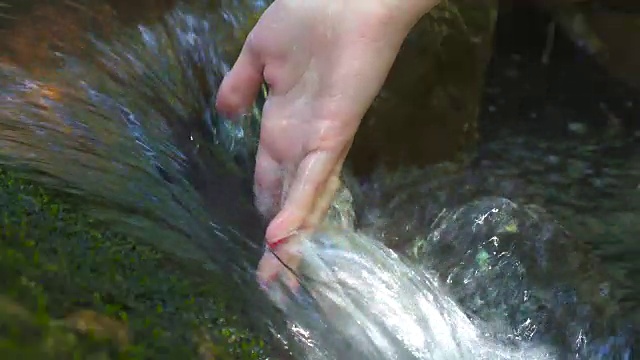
(241, 84)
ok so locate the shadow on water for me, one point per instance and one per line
(126, 127)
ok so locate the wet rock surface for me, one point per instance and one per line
(567, 133)
(538, 224)
(433, 89)
(557, 258)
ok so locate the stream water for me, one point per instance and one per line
(448, 262)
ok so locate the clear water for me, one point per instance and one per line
(489, 279)
(131, 131)
(385, 307)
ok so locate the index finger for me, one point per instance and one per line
(241, 84)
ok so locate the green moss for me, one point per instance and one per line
(72, 290)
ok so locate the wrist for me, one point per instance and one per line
(408, 12)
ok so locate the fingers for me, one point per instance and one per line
(288, 255)
(283, 262)
(308, 184)
(325, 199)
(268, 268)
(268, 184)
(241, 84)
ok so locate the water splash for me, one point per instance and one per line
(506, 282)
(511, 266)
(358, 289)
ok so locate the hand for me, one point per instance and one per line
(324, 62)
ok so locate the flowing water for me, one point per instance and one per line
(401, 270)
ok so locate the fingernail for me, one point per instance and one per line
(274, 244)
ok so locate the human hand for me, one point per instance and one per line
(324, 63)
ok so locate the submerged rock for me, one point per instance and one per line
(493, 231)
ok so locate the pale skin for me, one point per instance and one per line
(324, 63)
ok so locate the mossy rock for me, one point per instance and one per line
(72, 290)
(428, 107)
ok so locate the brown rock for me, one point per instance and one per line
(619, 31)
(427, 109)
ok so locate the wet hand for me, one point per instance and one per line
(324, 62)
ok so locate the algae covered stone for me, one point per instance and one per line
(74, 290)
